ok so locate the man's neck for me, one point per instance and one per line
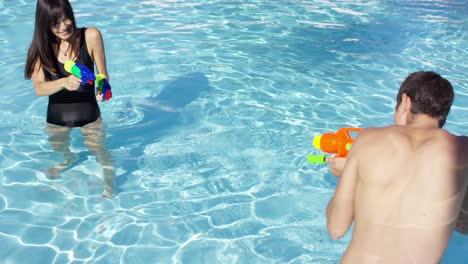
(423, 121)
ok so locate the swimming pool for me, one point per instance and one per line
(216, 104)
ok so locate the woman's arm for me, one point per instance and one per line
(44, 88)
(96, 49)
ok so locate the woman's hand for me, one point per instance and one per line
(99, 96)
(71, 83)
(336, 165)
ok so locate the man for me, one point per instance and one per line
(403, 185)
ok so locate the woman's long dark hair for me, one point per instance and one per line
(44, 46)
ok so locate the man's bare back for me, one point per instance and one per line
(403, 185)
(409, 189)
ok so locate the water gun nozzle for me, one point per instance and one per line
(321, 159)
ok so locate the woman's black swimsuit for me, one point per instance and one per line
(74, 108)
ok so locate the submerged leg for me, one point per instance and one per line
(94, 135)
(59, 138)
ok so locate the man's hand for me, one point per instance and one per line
(336, 165)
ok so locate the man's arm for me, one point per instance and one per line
(462, 222)
(336, 165)
(340, 210)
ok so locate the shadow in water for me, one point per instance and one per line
(161, 114)
(182, 91)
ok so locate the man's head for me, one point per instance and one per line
(425, 93)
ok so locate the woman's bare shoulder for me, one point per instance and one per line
(93, 35)
(92, 32)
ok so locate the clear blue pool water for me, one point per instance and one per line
(216, 104)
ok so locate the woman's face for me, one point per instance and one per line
(61, 28)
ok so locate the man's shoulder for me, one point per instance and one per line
(463, 140)
(371, 132)
(448, 139)
(382, 129)
(450, 145)
(461, 146)
(395, 136)
(372, 137)
(439, 137)
(395, 130)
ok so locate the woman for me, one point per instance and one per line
(57, 39)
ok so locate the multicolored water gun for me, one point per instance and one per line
(87, 77)
(80, 71)
(104, 87)
(338, 143)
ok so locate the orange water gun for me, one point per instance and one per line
(337, 143)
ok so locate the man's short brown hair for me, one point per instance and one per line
(430, 94)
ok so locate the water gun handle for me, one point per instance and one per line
(346, 139)
(80, 71)
(104, 87)
(350, 129)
